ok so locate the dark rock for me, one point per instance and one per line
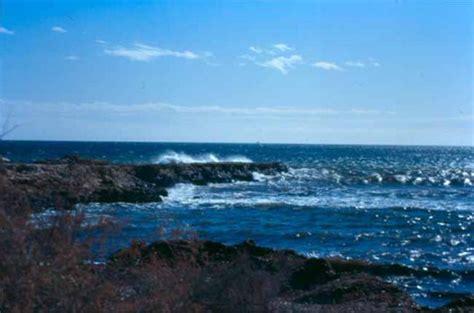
(299, 284)
(130, 196)
(73, 159)
(350, 288)
(249, 246)
(386, 270)
(24, 168)
(63, 183)
(462, 305)
(313, 271)
(204, 173)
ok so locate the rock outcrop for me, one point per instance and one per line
(71, 180)
(298, 284)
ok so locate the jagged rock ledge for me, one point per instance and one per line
(280, 280)
(72, 180)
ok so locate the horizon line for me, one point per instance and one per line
(235, 143)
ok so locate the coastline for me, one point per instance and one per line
(303, 284)
(72, 180)
(282, 280)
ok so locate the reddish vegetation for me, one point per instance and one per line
(48, 270)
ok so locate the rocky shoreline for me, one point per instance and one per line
(289, 282)
(71, 180)
(198, 275)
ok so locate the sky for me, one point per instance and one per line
(336, 72)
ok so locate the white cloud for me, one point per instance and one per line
(5, 31)
(328, 66)
(355, 64)
(283, 59)
(374, 62)
(256, 50)
(72, 58)
(58, 29)
(275, 49)
(234, 110)
(100, 41)
(282, 47)
(282, 63)
(141, 52)
(360, 64)
(104, 108)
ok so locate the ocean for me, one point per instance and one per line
(412, 205)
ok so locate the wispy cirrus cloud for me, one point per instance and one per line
(256, 50)
(6, 31)
(347, 65)
(374, 62)
(58, 29)
(144, 53)
(355, 64)
(327, 66)
(284, 59)
(98, 108)
(272, 50)
(363, 64)
(282, 47)
(22, 109)
(282, 63)
(281, 60)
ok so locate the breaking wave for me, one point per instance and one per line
(172, 157)
(429, 177)
(255, 195)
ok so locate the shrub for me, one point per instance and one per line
(48, 268)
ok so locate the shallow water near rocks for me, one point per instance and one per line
(385, 204)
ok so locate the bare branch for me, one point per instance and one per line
(6, 131)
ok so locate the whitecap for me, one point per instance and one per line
(418, 180)
(260, 177)
(181, 193)
(401, 178)
(377, 177)
(172, 157)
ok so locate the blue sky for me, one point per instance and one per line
(355, 72)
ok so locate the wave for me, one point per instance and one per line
(250, 196)
(172, 157)
(450, 177)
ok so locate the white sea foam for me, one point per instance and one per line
(260, 177)
(446, 178)
(250, 196)
(401, 178)
(171, 157)
(181, 193)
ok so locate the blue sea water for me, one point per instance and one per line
(386, 204)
